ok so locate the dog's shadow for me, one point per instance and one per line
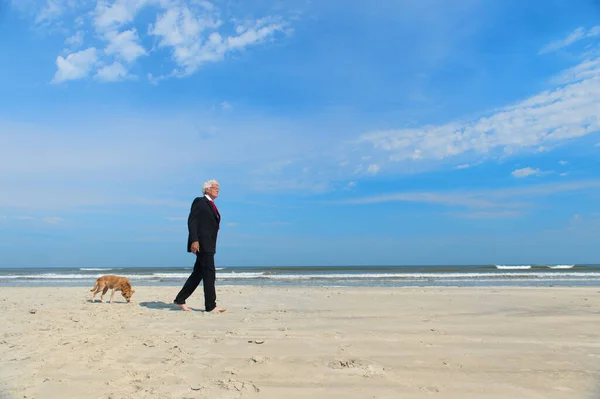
(116, 302)
(164, 306)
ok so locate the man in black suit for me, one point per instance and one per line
(203, 228)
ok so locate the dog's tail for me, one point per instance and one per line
(95, 286)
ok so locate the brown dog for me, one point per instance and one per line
(116, 283)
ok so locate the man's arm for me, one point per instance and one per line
(194, 220)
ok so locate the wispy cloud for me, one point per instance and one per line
(373, 169)
(501, 214)
(471, 200)
(24, 218)
(463, 166)
(124, 45)
(75, 65)
(113, 73)
(193, 33)
(575, 36)
(52, 220)
(75, 41)
(548, 119)
(524, 172)
(563, 162)
(232, 224)
(73, 198)
(193, 39)
(545, 120)
(504, 199)
(51, 10)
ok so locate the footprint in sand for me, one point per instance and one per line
(258, 360)
(367, 370)
(230, 384)
(430, 389)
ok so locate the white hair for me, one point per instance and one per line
(208, 184)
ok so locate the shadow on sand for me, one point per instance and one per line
(106, 302)
(164, 305)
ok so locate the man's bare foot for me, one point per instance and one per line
(182, 306)
(217, 310)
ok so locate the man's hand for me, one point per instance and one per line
(195, 247)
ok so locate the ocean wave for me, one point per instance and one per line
(331, 276)
(94, 269)
(515, 267)
(154, 276)
(561, 266)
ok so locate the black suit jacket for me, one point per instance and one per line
(203, 225)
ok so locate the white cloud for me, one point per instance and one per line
(118, 13)
(75, 41)
(75, 66)
(373, 169)
(525, 172)
(597, 145)
(449, 199)
(564, 174)
(502, 198)
(585, 71)
(576, 218)
(351, 184)
(225, 106)
(563, 162)
(463, 166)
(191, 31)
(577, 35)
(124, 45)
(49, 16)
(112, 73)
(232, 224)
(51, 10)
(24, 218)
(501, 214)
(183, 31)
(547, 119)
(52, 220)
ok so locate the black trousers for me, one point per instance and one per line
(204, 270)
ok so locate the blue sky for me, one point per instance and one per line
(389, 132)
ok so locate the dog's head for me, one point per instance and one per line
(127, 293)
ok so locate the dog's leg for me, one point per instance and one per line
(112, 295)
(94, 290)
(104, 291)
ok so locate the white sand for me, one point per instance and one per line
(318, 343)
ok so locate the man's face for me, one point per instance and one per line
(213, 191)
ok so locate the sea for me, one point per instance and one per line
(573, 275)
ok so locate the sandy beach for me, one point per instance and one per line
(303, 343)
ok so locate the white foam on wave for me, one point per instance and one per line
(94, 269)
(561, 266)
(515, 267)
(410, 276)
(331, 276)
